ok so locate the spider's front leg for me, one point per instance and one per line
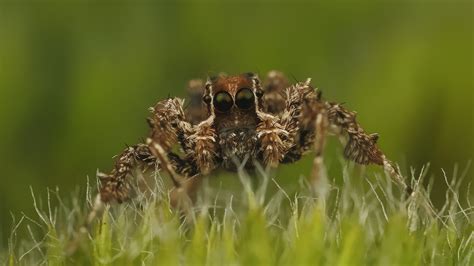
(197, 142)
(305, 117)
(273, 139)
(361, 147)
(282, 139)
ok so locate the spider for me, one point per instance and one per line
(240, 119)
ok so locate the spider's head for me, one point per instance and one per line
(233, 100)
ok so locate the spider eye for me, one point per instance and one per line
(223, 101)
(244, 98)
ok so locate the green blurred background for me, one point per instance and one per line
(76, 79)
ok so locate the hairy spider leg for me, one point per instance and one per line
(361, 147)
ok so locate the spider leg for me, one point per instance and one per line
(361, 147)
(318, 171)
(195, 109)
(202, 146)
(274, 86)
(182, 172)
(200, 149)
(309, 120)
(165, 164)
(168, 127)
(306, 120)
(272, 138)
(167, 122)
(116, 185)
(197, 142)
(286, 136)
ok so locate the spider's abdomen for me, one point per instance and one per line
(237, 145)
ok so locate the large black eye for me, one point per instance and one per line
(223, 101)
(244, 98)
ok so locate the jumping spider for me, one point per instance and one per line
(240, 119)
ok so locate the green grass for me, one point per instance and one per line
(363, 222)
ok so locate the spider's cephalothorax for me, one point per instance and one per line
(235, 119)
(233, 102)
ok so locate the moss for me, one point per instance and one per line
(371, 224)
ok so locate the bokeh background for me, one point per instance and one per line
(76, 78)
